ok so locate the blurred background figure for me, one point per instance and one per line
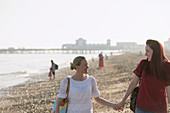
(101, 61)
(106, 57)
(140, 53)
(53, 68)
(92, 59)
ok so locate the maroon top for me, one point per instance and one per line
(152, 93)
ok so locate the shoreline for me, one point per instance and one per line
(112, 82)
(33, 79)
(41, 77)
(19, 73)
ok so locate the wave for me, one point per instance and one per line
(13, 73)
(24, 73)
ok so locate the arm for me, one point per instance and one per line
(131, 87)
(168, 93)
(95, 95)
(104, 102)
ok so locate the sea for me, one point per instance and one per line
(19, 68)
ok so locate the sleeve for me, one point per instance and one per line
(95, 91)
(138, 69)
(63, 88)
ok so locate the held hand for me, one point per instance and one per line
(120, 106)
(116, 107)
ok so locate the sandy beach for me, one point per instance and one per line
(39, 97)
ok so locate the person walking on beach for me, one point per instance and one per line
(82, 88)
(101, 61)
(155, 81)
(53, 68)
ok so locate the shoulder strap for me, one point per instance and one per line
(141, 73)
(68, 86)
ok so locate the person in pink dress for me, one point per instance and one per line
(101, 60)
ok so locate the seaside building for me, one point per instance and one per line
(81, 44)
(129, 46)
(126, 45)
(167, 45)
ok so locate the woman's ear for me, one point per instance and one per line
(76, 67)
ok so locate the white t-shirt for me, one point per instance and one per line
(80, 94)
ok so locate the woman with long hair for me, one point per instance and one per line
(155, 81)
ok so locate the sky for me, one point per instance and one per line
(51, 23)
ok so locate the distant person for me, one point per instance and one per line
(111, 53)
(154, 72)
(92, 59)
(83, 88)
(140, 53)
(106, 57)
(53, 68)
(101, 60)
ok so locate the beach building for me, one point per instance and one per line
(126, 45)
(167, 44)
(81, 44)
(129, 46)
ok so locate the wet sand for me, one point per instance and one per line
(39, 97)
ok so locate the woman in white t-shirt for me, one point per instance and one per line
(82, 88)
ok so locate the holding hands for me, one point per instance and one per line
(119, 106)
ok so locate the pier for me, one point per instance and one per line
(55, 51)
